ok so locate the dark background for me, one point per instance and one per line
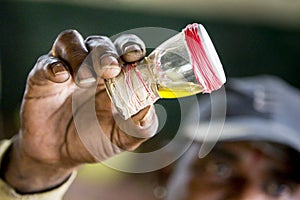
(28, 30)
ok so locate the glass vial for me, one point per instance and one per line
(185, 64)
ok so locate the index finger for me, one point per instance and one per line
(70, 48)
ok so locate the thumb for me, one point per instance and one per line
(142, 125)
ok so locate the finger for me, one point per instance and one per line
(70, 47)
(58, 72)
(130, 47)
(47, 69)
(47, 72)
(145, 116)
(142, 125)
(104, 56)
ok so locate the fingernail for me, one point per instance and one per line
(131, 48)
(109, 67)
(86, 81)
(109, 71)
(132, 53)
(108, 60)
(58, 69)
(85, 78)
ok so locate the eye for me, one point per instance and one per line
(278, 189)
(219, 169)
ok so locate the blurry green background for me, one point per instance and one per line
(251, 36)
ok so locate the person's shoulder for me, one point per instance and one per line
(4, 145)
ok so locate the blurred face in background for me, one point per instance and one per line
(237, 170)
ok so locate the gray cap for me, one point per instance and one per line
(256, 108)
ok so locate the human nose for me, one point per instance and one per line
(252, 192)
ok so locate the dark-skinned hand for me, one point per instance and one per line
(48, 147)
